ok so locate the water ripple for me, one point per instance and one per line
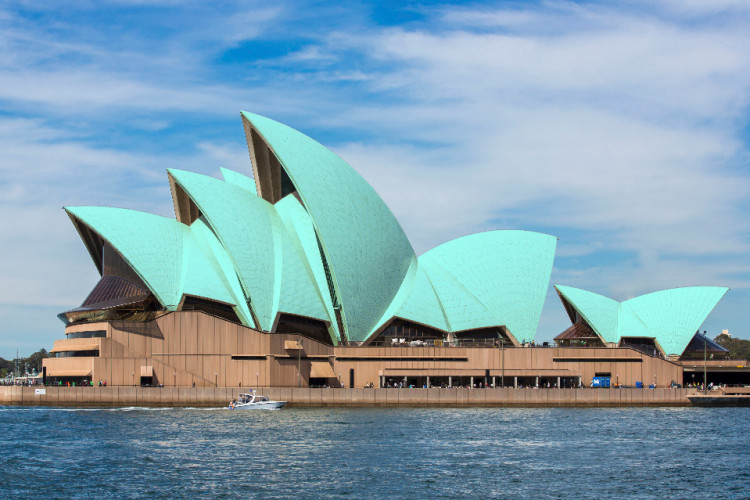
(375, 453)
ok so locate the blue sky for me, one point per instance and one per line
(620, 127)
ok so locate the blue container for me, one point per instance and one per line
(639, 385)
(600, 382)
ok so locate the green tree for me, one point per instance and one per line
(34, 361)
(738, 348)
(7, 365)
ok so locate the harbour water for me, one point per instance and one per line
(375, 453)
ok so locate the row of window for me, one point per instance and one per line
(93, 334)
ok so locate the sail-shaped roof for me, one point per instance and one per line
(307, 236)
(170, 258)
(600, 312)
(366, 250)
(670, 317)
(489, 279)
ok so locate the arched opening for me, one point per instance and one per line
(119, 294)
(302, 325)
(404, 332)
(488, 336)
(212, 307)
(272, 181)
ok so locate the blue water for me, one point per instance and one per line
(375, 453)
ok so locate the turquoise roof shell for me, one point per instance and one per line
(152, 245)
(244, 223)
(675, 315)
(600, 312)
(506, 272)
(367, 252)
(171, 258)
(495, 278)
(300, 229)
(671, 317)
(271, 267)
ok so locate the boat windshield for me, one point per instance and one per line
(245, 398)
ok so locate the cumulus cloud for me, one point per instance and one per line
(631, 127)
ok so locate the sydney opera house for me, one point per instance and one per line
(301, 276)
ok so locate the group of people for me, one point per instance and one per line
(400, 384)
(10, 381)
(81, 383)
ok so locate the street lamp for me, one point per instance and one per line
(705, 376)
(299, 363)
(502, 373)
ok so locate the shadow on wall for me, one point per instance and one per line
(146, 329)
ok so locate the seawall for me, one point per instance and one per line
(307, 397)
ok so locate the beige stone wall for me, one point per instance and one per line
(192, 347)
(625, 365)
(305, 397)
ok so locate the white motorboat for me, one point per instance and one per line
(252, 401)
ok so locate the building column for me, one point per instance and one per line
(450, 381)
(493, 382)
(428, 382)
(537, 381)
(515, 382)
(558, 382)
(471, 382)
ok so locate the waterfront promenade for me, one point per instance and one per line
(307, 397)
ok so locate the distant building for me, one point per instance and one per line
(724, 334)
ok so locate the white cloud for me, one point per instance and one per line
(630, 127)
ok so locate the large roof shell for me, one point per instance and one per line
(600, 312)
(367, 252)
(150, 244)
(244, 223)
(495, 278)
(170, 258)
(301, 231)
(674, 315)
(670, 317)
(273, 271)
